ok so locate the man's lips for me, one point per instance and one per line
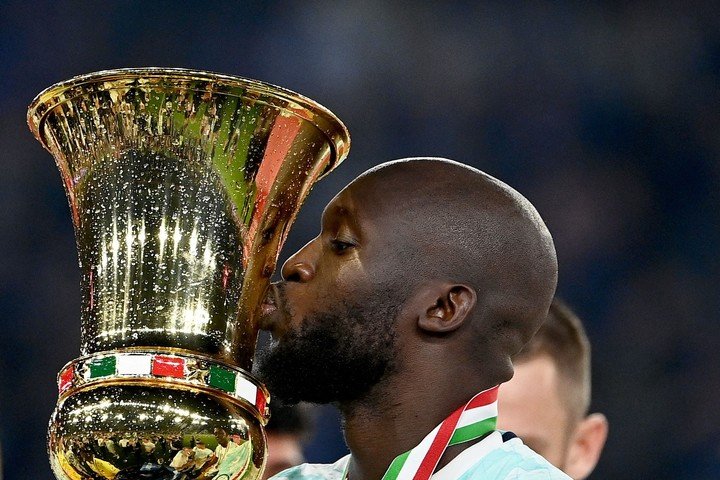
(269, 310)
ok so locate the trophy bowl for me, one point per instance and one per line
(182, 186)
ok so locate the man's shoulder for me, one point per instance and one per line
(513, 460)
(505, 460)
(315, 471)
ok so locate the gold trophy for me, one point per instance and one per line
(182, 187)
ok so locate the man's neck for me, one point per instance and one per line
(383, 426)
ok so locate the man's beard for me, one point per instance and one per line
(333, 357)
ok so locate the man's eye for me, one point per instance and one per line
(340, 246)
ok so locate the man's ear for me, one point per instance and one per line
(586, 446)
(449, 306)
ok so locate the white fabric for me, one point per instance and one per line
(489, 459)
(477, 414)
(469, 457)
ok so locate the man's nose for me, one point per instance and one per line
(300, 266)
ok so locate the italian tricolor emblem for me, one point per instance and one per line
(474, 420)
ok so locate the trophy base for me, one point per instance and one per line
(115, 421)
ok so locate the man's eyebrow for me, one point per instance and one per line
(338, 210)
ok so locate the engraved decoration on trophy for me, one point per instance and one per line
(182, 186)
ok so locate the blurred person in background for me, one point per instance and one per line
(289, 426)
(546, 403)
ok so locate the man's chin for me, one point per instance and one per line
(330, 359)
(310, 376)
(275, 323)
(288, 375)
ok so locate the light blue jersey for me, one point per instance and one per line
(497, 457)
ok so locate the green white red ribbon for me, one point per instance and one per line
(175, 368)
(474, 420)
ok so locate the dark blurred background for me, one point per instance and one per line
(605, 115)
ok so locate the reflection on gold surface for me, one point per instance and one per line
(148, 430)
(182, 186)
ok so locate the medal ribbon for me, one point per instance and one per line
(474, 420)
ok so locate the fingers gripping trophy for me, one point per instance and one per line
(182, 186)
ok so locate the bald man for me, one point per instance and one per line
(426, 278)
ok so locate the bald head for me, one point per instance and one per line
(450, 222)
